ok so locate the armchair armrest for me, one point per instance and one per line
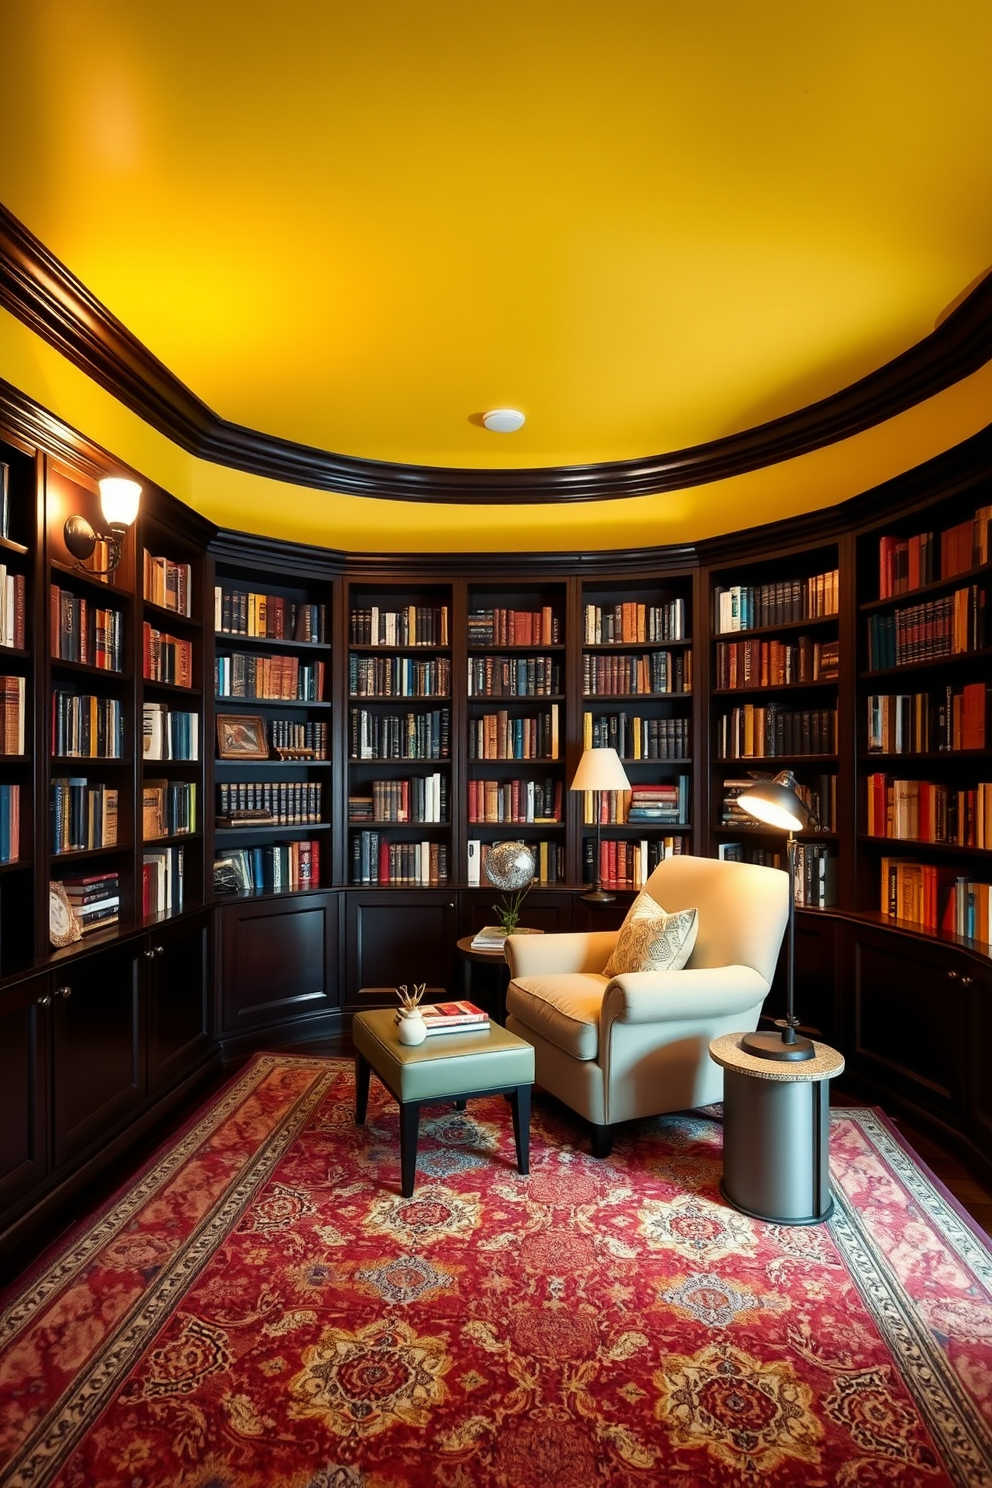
(709, 992)
(534, 955)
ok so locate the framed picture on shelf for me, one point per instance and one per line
(63, 926)
(241, 736)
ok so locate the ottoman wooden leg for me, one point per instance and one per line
(520, 1106)
(363, 1070)
(409, 1132)
(460, 1105)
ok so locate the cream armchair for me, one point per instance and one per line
(637, 1045)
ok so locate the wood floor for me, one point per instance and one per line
(973, 1196)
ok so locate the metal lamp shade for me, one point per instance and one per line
(776, 802)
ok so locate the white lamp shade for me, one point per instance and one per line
(600, 769)
(119, 499)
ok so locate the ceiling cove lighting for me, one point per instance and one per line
(503, 420)
(119, 499)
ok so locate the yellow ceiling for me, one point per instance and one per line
(647, 225)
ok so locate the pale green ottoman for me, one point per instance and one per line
(445, 1067)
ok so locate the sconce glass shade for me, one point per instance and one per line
(776, 802)
(119, 499)
(600, 769)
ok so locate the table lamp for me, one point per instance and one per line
(599, 770)
(778, 803)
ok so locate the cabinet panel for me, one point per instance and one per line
(24, 1060)
(178, 998)
(908, 1020)
(547, 911)
(980, 1042)
(278, 960)
(99, 1066)
(401, 936)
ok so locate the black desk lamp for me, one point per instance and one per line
(778, 803)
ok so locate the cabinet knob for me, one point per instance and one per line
(966, 981)
(63, 991)
(44, 1001)
(158, 950)
(952, 976)
(149, 955)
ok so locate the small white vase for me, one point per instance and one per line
(412, 1029)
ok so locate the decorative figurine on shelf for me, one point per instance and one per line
(510, 866)
(412, 1028)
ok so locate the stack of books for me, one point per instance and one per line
(95, 900)
(453, 1017)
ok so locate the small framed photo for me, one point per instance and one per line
(241, 736)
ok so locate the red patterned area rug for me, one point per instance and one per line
(261, 1309)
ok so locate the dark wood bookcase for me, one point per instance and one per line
(98, 1040)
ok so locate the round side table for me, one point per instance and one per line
(776, 1131)
(496, 980)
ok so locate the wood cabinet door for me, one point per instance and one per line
(907, 1024)
(98, 1070)
(178, 960)
(25, 1028)
(399, 935)
(278, 961)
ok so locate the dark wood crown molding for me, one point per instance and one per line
(40, 291)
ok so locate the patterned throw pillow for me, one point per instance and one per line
(651, 940)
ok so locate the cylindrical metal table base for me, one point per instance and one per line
(776, 1148)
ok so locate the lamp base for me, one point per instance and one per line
(598, 896)
(772, 1045)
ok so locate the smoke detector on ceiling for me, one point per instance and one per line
(503, 420)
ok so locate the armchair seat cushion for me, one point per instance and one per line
(563, 1007)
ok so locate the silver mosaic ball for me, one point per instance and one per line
(510, 865)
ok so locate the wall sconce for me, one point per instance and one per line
(119, 499)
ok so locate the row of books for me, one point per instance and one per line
(168, 584)
(907, 563)
(244, 676)
(376, 861)
(513, 676)
(755, 731)
(922, 722)
(776, 663)
(632, 623)
(414, 736)
(165, 658)
(286, 734)
(755, 606)
(929, 811)
(494, 801)
(82, 815)
(652, 674)
(936, 898)
(282, 803)
(267, 616)
(95, 900)
(423, 798)
(950, 626)
(12, 697)
(549, 861)
(168, 808)
(413, 625)
(399, 676)
(168, 733)
(504, 627)
(10, 823)
(272, 869)
(83, 726)
(162, 878)
(661, 805)
(85, 632)
(636, 738)
(514, 737)
(626, 863)
(815, 884)
(12, 608)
